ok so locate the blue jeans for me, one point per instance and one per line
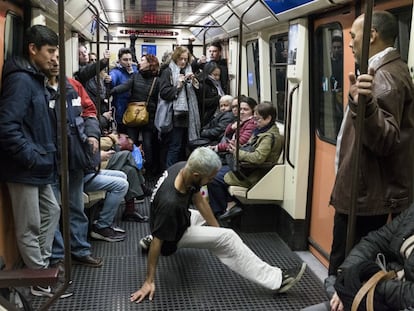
(79, 222)
(176, 144)
(116, 186)
(218, 194)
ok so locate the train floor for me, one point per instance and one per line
(191, 279)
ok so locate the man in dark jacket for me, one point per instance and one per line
(386, 162)
(27, 151)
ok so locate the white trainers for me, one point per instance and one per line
(145, 242)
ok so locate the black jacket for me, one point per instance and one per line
(388, 240)
(139, 87)
(27, 151)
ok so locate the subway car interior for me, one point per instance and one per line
(294, 55)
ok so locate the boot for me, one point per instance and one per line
(130, 214)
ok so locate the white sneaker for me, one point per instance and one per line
(145, 242)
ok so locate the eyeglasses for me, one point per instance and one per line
(257, 118)
(93, 59)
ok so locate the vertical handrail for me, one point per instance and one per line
(64, 181)
(359, 128)
(239, 81)
(289, 124)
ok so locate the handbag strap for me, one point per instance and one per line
(369, 288)
(150, 92)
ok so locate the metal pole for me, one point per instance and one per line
(359, 128)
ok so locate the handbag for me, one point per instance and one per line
(164, 116)
(136, 113)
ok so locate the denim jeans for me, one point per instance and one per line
(218, 194)
(229, 248)
(78, 223)
(116, 186)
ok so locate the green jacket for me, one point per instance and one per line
(267, 147)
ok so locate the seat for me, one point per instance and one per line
(91, 198)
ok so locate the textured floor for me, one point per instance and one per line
(191, 279)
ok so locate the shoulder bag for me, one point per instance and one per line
(136, 113)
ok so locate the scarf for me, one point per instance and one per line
(217, 85)
(186, 101)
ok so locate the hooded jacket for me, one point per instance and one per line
(27, 150)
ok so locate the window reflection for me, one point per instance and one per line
(329, 61)
(279, 55)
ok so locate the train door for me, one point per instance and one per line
(333, 59)
(11, 29)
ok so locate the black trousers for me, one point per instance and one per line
(364, 225)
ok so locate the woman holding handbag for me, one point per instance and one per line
(144, 87)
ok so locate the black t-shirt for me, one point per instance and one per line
(169, 214)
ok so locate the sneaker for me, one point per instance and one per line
(145, 242)
(107, 234)
(290, 277)
(117, 229)
(42, 291)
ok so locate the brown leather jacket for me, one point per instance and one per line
(387, 155)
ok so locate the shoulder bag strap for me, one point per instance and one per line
(370, 284)
(150, 92)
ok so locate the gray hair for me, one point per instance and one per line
(204, 161)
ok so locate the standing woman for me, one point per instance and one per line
(209, 93)
(176, 85)
(142, 83)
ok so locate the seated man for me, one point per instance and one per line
(174, 225)
(214, 130)
(116, 186)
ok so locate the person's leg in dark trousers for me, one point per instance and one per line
(218, 194)
(364, 225)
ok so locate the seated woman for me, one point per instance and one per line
(247, 125)
(265, 145)
(214, 130)
(116, 155)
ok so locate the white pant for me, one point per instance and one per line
(230, 249)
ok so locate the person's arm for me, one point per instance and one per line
(168, 91)
(124, 87)
(205, 210)
(148, 288)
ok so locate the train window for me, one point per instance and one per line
(278, 65)
(329, 80)
(13, 35)
(253, 82)
(403, 39)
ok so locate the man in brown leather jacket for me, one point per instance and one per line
(385, 182)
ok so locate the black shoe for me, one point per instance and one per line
(231, 213)
(135, 216)
(88, 261)
(107, 234)
(290, 277)
(47, 291)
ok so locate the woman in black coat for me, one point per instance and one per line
(140, 87)
(209, 92)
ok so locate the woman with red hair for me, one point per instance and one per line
(143, 85)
